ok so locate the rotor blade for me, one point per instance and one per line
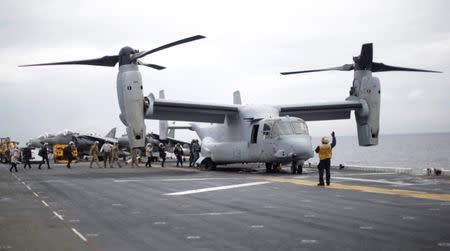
(154, 66)
(103, 61)
(346, 67)
(380, 67)
(182, 41)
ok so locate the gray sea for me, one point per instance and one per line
(417, 151)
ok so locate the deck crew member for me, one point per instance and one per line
(68, 153)
(196, 149)
(94, 154)
(162, 153)
(325, 153)
(27, 156)
(178, 151)
(148, 154)
(15, 158)
(44, 154)
(191, 154)
(107, 154)
(134, 157)
(115, 155)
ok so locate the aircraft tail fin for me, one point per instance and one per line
(237, 98)
(172, 128)
(163, 124)
(171, 133)
(111, 133)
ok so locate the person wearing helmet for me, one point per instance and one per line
(44, 154)
(27, 156)
(325, 153)
(94, 153)
(148, 154)
(162, 153)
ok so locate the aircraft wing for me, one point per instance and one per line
(93, 138)
(164, 109)
(322, 111)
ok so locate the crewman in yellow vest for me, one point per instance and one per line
(325, 153)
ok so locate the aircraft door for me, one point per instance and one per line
(253, 146)
(254, 135)
(267, 140)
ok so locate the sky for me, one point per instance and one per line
(248, 43)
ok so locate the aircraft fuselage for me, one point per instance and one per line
(257, 134)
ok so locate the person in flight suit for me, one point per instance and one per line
(162, 153)
(134, 158)
(27, 156)
(44, 154)
(94, 153)
(115, 155)
(196, 148)
(325, 153)
(191, 154)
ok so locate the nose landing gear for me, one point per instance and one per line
(296, 167)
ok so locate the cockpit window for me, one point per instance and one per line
(299, 127)
(266, 129)
(282, 128)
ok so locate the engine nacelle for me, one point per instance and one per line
(367, 89)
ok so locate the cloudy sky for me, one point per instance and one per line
(248, 43)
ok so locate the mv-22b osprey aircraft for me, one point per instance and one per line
(249, 133)
(278, 134)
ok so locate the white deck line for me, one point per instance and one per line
(203, 190)
(58, 215)
(184, 179)
(79, 235)
(45, 203)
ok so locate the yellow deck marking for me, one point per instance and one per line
(408, 193)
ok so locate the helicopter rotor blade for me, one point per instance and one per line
(380, 67)
(110, 61)
(346, 67)
(182, 41)
(154, 66)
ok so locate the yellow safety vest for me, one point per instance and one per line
(325, 151)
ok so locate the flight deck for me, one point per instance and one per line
(229, 209)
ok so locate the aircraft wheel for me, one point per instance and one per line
(276, 167)
(209, 165)
(300, 168)
(294, 167)
(268, 167)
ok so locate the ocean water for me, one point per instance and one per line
(417, 151)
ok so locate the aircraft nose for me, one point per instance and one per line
(298, 146)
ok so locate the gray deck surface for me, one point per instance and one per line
(130, 209)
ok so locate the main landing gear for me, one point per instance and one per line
(273, 167)
(296, 167)
(208, 164)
